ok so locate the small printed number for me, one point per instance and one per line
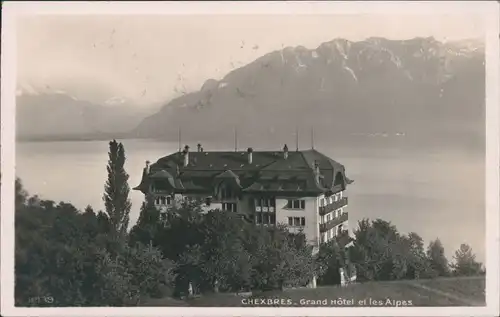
(42, 300)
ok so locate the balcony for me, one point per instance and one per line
(334, 222)
(333, 206)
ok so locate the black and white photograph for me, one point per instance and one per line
(203, 158)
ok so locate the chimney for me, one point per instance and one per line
(285, 152)
(316, 171)
(186, 155)
(146, 169)
(200, 149)
(250, 151)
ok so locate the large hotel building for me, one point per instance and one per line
(303, 189)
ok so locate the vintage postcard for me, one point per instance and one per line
(250, 158)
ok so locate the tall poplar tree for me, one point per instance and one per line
(116, 190)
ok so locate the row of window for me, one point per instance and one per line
(330, 216)
(262, 202)
(265, 202)
(297, 221)
(329, 200)
(271, 203)
(270, 219)
(232, 207)
(330, 234)
(163, 200)
(296, 204)
(264, 218)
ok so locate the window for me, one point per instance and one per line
(339, 212)
(163, 200)
(296, 204)
(265, 218)
(227, 193)
(231, 207)
(265, 202)
(265, 214)
(296, 221)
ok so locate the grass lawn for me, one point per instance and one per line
(468, 291)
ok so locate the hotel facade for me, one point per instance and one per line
(305, 190)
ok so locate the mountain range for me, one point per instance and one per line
(52, 115)
(420, 88)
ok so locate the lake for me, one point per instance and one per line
(436, 192)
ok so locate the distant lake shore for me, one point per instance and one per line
(74, 138)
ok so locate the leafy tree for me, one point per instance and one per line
(380, 252)
(330, 258)
(147, 225)
(117, 190)
(376, 251)
(55, 254)
(21, 194)
(437, 259)
(189, 270)
(418, 265)
(277, 262)
(226, 262)
(72, 257)
(148, 270)
(465, 262)
(103, 222)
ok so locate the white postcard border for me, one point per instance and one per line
(488, 9)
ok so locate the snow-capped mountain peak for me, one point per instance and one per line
(115, 101)
(26, 89)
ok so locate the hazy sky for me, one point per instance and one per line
(147, 58)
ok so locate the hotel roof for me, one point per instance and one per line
(268, 171)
